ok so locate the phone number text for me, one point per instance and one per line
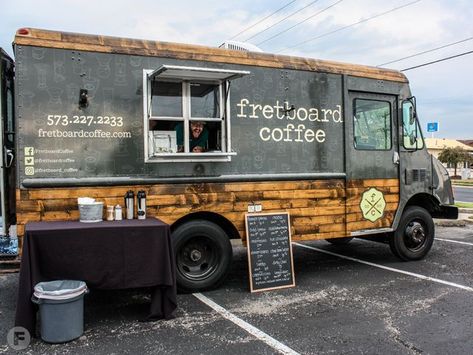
(65, 120)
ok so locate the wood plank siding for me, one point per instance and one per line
(319, 209)
(105, 44)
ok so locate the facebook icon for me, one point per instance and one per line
(18, 338)
(29, 151)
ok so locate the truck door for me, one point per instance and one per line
(372, 162)
(7, 171)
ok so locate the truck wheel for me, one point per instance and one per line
(339, 241)
(414, 236)
(203, 255)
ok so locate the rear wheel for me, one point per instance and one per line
(339, 241)
(414, 236)
(203, 255)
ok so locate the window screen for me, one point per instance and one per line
(166, 99)
(205, 100)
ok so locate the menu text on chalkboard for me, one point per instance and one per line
(269, 251)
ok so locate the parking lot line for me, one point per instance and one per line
(419, 276)
(280, 347)
(453, 241)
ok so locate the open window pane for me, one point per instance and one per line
(215, 143)
(205, 100)
(162, 137)
(175, 98)
(203, 136)
(372, 124)
(166, 99)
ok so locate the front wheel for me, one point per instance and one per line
(203, 255)
(414, 236)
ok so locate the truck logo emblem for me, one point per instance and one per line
(372, 204)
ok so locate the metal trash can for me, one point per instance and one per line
(61, 307)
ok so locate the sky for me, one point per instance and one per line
(443, 90)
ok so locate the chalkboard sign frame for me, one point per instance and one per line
(254, 288)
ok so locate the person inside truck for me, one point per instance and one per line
(198, 137)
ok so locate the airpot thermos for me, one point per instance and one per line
(141, 196)
(129, 202)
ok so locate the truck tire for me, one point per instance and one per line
(414, 236)
(339, 241)
(203, 255)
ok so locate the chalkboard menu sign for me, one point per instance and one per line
(269, 251)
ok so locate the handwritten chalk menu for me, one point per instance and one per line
(269, 251)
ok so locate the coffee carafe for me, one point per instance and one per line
(129, 204)
(141, 197)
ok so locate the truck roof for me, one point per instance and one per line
(107, 44)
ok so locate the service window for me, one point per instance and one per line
(411, 133)
(187, 114)
(372, 124)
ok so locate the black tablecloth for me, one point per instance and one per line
(106, 255)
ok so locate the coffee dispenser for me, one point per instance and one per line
(141, 197)
(129, 204)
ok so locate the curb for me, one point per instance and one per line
(453, 222)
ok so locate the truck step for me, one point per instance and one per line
(9, 264)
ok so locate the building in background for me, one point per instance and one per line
(467, 142)
(436, 145)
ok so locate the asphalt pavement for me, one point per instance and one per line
(463, 193)
(357, 299)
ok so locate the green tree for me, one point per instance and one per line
(454, 156)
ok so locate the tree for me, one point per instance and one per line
(454, 156)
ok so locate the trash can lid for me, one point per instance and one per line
(60, 289)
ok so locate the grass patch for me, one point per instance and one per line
(464, 204)
(468, 182)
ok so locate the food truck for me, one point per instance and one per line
(337, 146)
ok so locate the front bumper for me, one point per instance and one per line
(446, 212)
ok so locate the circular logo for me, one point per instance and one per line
(18, 338)
(372, 204)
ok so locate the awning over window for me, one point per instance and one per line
(195, 73)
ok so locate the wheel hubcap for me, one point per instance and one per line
(198, 258)
(415, 235)
(195, 255)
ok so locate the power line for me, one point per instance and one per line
(297, 24)
(438, 60)
(348, 26)
(277, 23)
(258, 22)
(427, 51)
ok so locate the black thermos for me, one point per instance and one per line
(141, 196)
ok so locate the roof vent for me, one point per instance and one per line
(240, 46)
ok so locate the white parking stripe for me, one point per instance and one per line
(453, 241)
(419, 276)
(276, 345)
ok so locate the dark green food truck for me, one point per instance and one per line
(210, 134)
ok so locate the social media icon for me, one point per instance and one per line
(29, 170)
(29, 151)
(29, 160)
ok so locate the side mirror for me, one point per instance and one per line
(412, 115)
(411, 133)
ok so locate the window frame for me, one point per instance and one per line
(220, 77)
(418, 129)
(391, 125)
